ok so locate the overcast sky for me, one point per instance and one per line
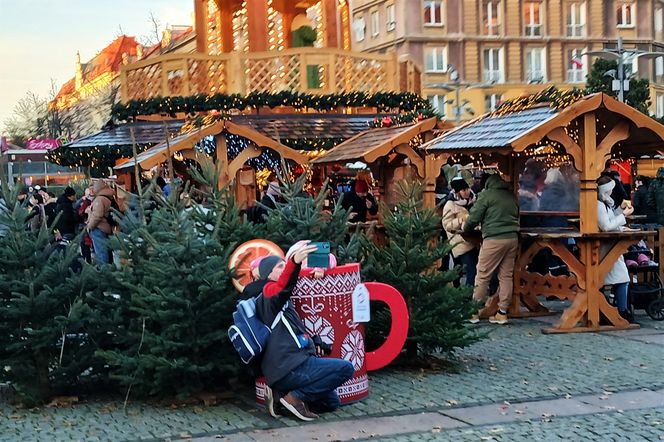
(39, 38)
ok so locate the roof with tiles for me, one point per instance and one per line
(492, 131)
(278, 127)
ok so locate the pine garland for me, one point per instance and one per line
(171, 106)
(556, 98)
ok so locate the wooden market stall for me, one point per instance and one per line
(587, 132)
(389, 152)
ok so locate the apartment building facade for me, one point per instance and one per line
(495, 50)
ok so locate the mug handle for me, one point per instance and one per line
(396, 338)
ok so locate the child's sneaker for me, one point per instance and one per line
(498, 318)
(474, 319)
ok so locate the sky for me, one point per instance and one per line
(39, 38)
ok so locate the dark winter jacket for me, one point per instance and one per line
(68, 217)
(358, 205)
(496, 211)
(656, 195)
(642, 206)
(283, 354)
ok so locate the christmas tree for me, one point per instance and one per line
(180, 297)
(302, 216)
(409, 262)
(41, 307)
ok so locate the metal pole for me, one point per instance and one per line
(458, 107)
(621, 72)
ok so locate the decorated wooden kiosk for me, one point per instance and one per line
(390, 152)
(559, 127)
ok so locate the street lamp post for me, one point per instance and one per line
(620, 84)
(455, 84)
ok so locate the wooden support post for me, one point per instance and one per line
(200, 25)
(226, 20)
(222, 160)
(330, 37)
(432, 165)
(257, 24)
(588, 194)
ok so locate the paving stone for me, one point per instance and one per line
(650, 339)
(626, 400)
(506, 412)
(352, 429)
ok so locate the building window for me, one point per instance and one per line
(577, 68)
(535, 65)
(359, 26)
(433, 13)
(532, 19)
(438, 103)
(391, 17)
(375, 24)
(492, 102)
(491, 17)
(576, 19)
(659, 109)
(436, 59)
(625, 15)
(493, 65)
(659, 23)
(659, 66)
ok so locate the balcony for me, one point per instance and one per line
(493, 76)
(306, 70)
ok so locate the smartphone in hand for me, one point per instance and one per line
(321, 256)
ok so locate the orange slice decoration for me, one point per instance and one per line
(243, 256)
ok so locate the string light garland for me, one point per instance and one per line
(191, 105)
(556, 98)
(402, 119)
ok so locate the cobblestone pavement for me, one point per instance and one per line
(637, 425)
(516, 363)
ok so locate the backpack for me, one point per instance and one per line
(114, 205)
(249, 334)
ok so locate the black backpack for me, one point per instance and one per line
(114, 205)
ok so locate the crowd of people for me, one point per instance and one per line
(67, 215)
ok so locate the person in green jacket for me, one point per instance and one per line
(655, 198)
(496, 212)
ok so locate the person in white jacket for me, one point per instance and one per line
(611, 219)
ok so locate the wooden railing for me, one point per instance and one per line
(308, 70)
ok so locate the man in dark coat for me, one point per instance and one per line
(360, 202)
(69, 219)
(656, 195)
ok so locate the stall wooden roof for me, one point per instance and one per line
(515, 131)
(375, 143)
(159, 153)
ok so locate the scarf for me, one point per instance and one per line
(604, 193)
(458, 200)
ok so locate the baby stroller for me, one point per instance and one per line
(645, 287)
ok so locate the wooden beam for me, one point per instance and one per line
(237, 164)
(257, 25)
(200, 24)
(618, 133)
(222, 159)
(571, 148)
(588, 195)
(414, 158)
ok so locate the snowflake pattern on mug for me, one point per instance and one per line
(352, 349)
(317, 325)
